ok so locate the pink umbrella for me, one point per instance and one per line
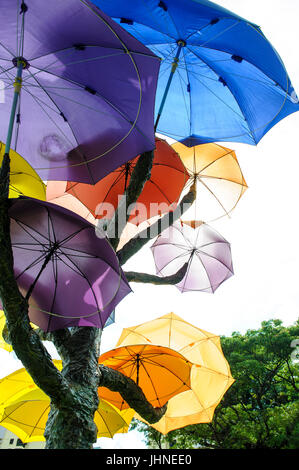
(207, 253)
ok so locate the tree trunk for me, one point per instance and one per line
(71, 423)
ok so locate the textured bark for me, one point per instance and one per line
(137, 242)
(131, 393)
(140, 175)
(152, 279)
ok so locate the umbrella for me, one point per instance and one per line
(55, 193)
(160, 192)
(210, 374)
(26, 415)
(70, 276)
(220, 78)
(18, 382)
(160, 372)
(63, 67)
(219, 180)
(207, 253)
(23, 181)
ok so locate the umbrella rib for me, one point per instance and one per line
(25, 227)
(214, 195)
(188, 77)
(55, 274)
(241, 110)
(213, 257)
(150, 12)
(38, 101)
(99, 310)
(38, 420)
(31, 265)
(121, 114)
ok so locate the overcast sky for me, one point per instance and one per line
(263, 230)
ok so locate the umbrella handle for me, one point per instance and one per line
(17, 86)
(175, 62)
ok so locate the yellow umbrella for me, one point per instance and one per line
(24, 410)
(3, 343)
(210, 374)
(18, 382)
(24, 181)
(219, 180)
(159, 371)
(26, 416)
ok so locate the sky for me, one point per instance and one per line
(263, 230)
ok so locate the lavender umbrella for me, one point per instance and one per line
(208, 255)
(79, 90)
(71, 277)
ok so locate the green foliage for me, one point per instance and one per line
(261, 409)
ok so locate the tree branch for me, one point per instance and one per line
(140, 175)
(152, 279)
(131, 393)
(137, 242)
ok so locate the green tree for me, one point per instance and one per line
(261, 409)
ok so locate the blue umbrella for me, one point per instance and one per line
(220, 78)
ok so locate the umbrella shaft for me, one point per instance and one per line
(173, 69)
(17, 86)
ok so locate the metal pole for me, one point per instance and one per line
(173, 69)
(17, 86)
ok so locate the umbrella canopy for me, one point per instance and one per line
(55, 193)
(63, 67)
(26, 416)
(220, 78)
(70, 276)
(23, 180)
(160, 192)
(18, 382)
(219, 180)
(210, 375)
(207, 253)
(159, 371)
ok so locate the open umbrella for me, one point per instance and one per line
(159, 371)
(23, 180)
(220, 78)
(63, 67)
(219, 180)
(69, 275)
(18, 382)
(26, 415)
(210, 375)
(207, 253)
(160, 192)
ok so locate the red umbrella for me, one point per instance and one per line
(159, 196)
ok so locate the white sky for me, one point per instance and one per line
(263, 230)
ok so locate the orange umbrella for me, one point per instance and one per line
(163, 189)
(159, 371)
(219, 180)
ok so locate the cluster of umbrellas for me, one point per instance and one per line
(190, 71)
(172, 361)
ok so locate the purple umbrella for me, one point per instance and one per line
(207, 253)
(69, 275)
(79, 90)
